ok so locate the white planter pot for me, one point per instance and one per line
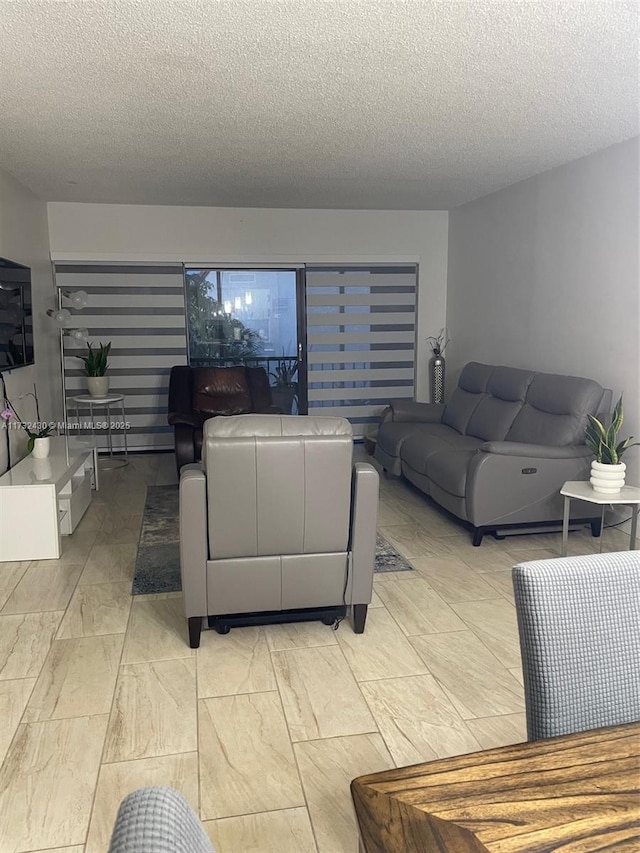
(607, 479)
(41, 448)
(98, 385)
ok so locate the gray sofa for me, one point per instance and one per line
(497, 454)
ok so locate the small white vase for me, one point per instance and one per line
(41, 447)
(607, 479)
(98, 385)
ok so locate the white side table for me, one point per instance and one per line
(105, 403)
(583, 491)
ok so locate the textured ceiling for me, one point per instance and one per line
(395, 104)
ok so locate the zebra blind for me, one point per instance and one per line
(360, 340)
(140, 309)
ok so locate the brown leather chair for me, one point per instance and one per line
(199, 393)
(277, 524)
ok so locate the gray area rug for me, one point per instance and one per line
(158, 558)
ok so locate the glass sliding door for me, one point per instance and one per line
(251, 317)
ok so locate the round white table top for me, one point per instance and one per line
(88, 399)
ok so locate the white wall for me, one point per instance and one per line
(250, 235)
(544, 275)
(24, 237)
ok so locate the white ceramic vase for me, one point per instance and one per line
(98, 385)
(41, 447)
(607, 479)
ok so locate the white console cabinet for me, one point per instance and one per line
(42, 499)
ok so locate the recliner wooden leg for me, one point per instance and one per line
(195, 628)
(359, 618)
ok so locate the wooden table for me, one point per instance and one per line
(576, 793)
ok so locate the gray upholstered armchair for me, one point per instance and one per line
(580, 641)
(276, 520)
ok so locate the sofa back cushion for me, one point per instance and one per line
(471, 389)
(495, 413)
(555, 410)
(221, 390)
(259, 388)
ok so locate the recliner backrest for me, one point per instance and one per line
(555, 410)
(506, 391)
(471, 389)
(277, 485)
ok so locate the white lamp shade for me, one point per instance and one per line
(60, 316)
(79, 298)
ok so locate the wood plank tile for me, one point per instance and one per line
(14, 696)
(327, 768)
(78, 849)
(473, 678)
(413, 540)
(499, 731)
(243, 741)
(75, 550)
(500, 581)
(285, 831)
(154, 710)
(238, 662)
(417, 720)
(101, 608)
(417, 607)
(382, 651)
(109, 564)
(43, 588)
(77, 680)
(120, 530)
(319, 694)
(47, 783)
(157, 631)
(118, 780)
(453, 580)
(10, 575)
(494, 622)
(299, 635)
(25, 641)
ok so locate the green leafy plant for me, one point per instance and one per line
(604, 442)
(95, 363)
(284, 374)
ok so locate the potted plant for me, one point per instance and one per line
(95, 365)
(38, 442)
(284, 386)
(607, 471)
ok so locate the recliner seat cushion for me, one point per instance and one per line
(420, 446)
(221, 391)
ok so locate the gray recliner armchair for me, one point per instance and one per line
(276, 520)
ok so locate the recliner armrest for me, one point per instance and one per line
(408, 411)
(540, 451)
(366, 484)
(194, 419)
(194, 541)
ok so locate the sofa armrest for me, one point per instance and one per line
(364, 516)
(539, 451)
(193, 419)
(193, 539)
(180, 388)
(408, 411)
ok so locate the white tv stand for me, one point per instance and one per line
(44, 499)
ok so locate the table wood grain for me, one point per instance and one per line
(576, 794)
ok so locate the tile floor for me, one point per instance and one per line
(264, 728)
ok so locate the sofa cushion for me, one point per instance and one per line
(471, 389)
(555, 410)
(493, 416)
(448, 470)
(418, 447)
(259, 388)
(221, 391)
(392, 436)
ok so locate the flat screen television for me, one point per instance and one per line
(16, 320)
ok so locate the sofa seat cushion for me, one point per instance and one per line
(392, 436)
(447, 469)
(418, 447)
